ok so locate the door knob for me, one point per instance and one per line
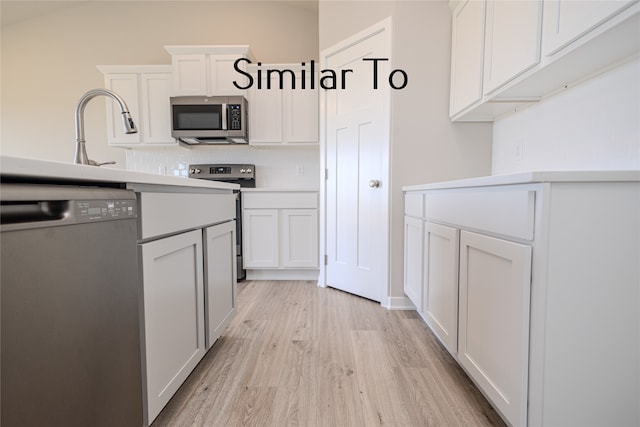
(374, 183)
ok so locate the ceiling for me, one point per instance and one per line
(14, 11)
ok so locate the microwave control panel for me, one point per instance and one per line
(235, 117)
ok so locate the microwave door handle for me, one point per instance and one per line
(224, 116)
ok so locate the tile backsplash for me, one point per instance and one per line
(297, 167)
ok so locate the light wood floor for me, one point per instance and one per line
(299, 355)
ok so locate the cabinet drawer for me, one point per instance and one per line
(413, 204)
(505, 212)
(280, 200)
(165, 213)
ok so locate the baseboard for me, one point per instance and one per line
(398, 303)
(277, 274)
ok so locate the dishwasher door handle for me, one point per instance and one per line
(33, 211)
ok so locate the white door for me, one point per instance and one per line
(356, 149)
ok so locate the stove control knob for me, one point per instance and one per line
(242, 170)
(249, 170)
(194, 170)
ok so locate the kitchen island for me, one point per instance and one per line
(20, 168)
(531, 281)
(186, 276)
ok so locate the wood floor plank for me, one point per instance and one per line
(382, 404)
(299, 355)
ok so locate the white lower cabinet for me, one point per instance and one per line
(413, 260)
(187, 252)
(280, 234)
(475, 287)
(495, 278)
(440, 283)
(532, 286)
(260, 232)
(299, 237)
(286, 238)
(173, 314)
(219, 278)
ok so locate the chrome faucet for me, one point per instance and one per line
(129, 126)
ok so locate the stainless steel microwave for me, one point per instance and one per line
(209, 119)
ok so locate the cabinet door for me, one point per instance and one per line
(440, 304)
(512, 40)
(413, 260)
(567, 20)
(156, 119)
(493, 341)
(300, 112)
(189, 74)
(467, 55)
(260, 238)
(221, 75)
(299, 238)
(173, 314)
(125, 85)
(220, 278)
(265, 111)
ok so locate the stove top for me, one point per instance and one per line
(243, 174)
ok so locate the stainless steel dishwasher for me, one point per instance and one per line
(69, 308)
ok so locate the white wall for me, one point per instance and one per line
(48, 62)
(425, 145)
(592, 126)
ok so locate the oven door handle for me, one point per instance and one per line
(224, 116)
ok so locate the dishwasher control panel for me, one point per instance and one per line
(104, 210)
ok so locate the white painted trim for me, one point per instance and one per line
(384, 26)
(282, 274)
(398, 303)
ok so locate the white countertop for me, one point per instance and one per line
(278, 190)
(20, 167)
(532, 177)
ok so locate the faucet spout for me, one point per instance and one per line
(128, 124)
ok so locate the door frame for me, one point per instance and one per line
(385, 27)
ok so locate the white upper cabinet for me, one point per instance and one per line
(300, 108)
(467, 55)
(265, 110)
(567, 20)
(512, 40)
(493, 42)
(146, 90)
(281, 111)
(208, 70)
(506, 54)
